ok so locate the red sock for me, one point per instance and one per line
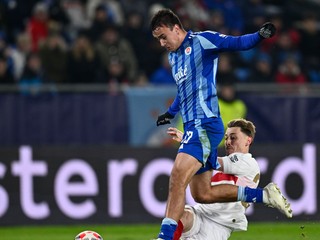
(178, 232)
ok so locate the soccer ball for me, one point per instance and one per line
(88, 235)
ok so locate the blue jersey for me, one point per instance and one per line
(194, 67)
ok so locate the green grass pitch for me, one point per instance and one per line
(261, 231)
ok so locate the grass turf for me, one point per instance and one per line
(261, 231)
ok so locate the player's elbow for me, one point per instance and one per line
(203, 198)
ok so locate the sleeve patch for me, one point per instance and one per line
(234, 158)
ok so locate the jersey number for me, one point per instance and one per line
(187, 137)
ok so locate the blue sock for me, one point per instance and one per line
(168, 227)
(247, 194)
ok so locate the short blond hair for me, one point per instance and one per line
(247, 127)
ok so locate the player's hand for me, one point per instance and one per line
(164, 119)
(267, 30)
(175, 134)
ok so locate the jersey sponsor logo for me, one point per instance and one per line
(188, 50)
(181, 74)
(222, 35)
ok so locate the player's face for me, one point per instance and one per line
(236, 141)
(168, 38)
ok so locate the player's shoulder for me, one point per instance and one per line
(240, 156)
(207, 34)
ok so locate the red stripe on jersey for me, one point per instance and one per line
(219, 176)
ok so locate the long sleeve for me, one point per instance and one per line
(223, 42)
(175, 106)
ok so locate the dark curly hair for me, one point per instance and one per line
(165, 17)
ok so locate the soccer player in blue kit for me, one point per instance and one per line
(193, 57)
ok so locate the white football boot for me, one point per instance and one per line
(273, 197)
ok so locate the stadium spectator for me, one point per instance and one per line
(284, 47)
(112, 45)
(289, 71)
(116, 74)
(226, 72)
(163, 75)
(101, 20)
(219, 220)
(140, 6)
(153, 48)
(13, 17)
(83, 64)
(295, 9)
(32, 77)
(59, 16)
(286, 38)
(232, 14)
(231, 106)
(216, 22)
(19, 53)
(135, 32)
(6, 76)
(310, 45)
(254, 14)
(53, 53)
(262, 71)
(70, 16)
(38, 24)
(5, 51)
(113, 8)
(58, 12)
(194, 11)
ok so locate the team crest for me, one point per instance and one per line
(188, 50)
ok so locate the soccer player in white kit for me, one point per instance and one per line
(218, 220)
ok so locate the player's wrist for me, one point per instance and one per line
(164, 119)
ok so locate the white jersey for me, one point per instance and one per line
(239, 169)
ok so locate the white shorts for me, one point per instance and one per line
(205, 229)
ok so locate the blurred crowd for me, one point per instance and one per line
(109, 41)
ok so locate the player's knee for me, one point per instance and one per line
(187, 219)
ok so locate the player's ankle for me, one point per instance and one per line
(168, 227)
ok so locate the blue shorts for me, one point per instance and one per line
(201, 139)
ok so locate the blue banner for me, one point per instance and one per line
(63, 118)
(144, 106)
